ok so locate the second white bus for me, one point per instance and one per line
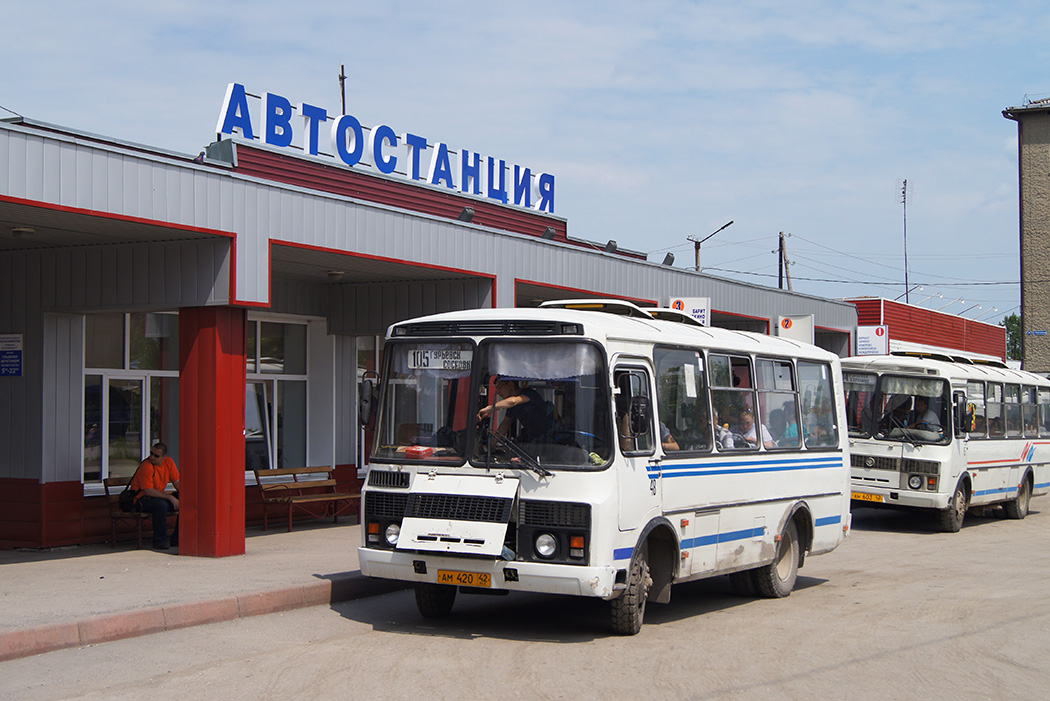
(945, 433)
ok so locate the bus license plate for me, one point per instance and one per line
(465, 579)
(861, 496)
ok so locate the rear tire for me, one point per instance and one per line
(434, 600)
(1018, 508)
(628, 609)
(777, 579)
(952, 517)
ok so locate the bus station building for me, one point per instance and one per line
(228, 302)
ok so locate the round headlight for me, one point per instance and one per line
(915, 482)
(546, 545)
(392, 532)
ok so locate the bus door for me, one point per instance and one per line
(639, 473)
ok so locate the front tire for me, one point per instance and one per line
(1018, 508)
(777, 579)
(434, 600)
(952, 517)
(628, 609)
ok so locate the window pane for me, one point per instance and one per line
(164, 413)
(256, 427)
(682, 400)
(250, 333)
(92, 428)
(154, 341)
(818, 405)
(104, 341)
(291, 424)
(125, 450)
(283, 348)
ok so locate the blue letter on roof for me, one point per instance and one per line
(234, 114)
(277, 116)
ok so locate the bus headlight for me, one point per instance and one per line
(915, 482)
(546, 545)
(392, 533)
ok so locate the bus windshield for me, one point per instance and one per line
(509, 404)
(899, 408)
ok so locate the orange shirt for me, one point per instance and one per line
(150, 476)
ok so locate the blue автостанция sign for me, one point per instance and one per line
(348, 143)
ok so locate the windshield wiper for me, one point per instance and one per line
(526, 459)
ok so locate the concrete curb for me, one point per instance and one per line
(129, 624)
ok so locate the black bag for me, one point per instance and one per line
(127, 498)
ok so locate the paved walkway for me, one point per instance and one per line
(82, 595)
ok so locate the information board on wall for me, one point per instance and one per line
(873, 340)
(10, 355)
(697, 307)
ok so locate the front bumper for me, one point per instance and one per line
(543, 577)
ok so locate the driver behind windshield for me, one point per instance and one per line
(923, 416)
(522, 404)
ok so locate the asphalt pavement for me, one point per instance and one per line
(83, 595)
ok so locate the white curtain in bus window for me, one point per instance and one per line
(542, 361)
(1044, 412)
(860, 398)
(1013, 411)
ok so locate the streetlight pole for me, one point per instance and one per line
(697, 242)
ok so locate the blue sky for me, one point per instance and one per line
(659, 120)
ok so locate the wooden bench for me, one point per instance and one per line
(114, 486)
(293, 488)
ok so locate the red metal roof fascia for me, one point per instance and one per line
(316, 176)
(917, 325)
(869, 311)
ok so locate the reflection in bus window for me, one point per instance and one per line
(682, 399)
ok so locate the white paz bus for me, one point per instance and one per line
(597, 449)
(946, 433)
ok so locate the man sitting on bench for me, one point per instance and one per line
(150, 480)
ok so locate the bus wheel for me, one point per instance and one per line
(628, 609)
(952, 517)
(434, 600)
(1018, 508)
(777, 579)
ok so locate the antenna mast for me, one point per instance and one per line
(342, 85)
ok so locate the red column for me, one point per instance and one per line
(211, 431)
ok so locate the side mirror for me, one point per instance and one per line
(964, 414)
(641, 415)
(368, 396)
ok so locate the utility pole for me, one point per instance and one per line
(904, 201)
(785, 264)
(342, 85)
(697, 242)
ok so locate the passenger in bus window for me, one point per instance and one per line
(750, 432)
(924, 417)
(723, 436)
(666, 439)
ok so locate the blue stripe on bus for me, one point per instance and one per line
(715, 538)
(1041, 485)
(743, 467)
(999, 490)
